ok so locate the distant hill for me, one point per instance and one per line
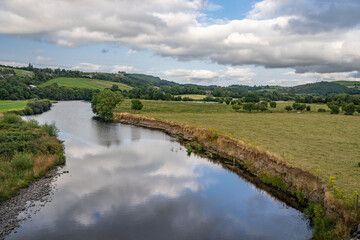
(349, 84)
(85, 83)
(141, 79)
(324, 89)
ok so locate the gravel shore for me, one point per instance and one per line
(29, 201)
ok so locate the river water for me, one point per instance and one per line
(127, 182)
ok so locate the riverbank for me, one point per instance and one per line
(270, 168)
(28, 201)
(27, 151)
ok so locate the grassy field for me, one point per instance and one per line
(20, 72)
(7, 105)
(85, 83)
(193, 96)
(309, 140)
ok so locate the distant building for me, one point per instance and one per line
(31, 86)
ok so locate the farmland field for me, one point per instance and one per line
(85, 83)
(329, 144)
(7, 105)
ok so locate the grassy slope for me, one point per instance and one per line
(6, 105)
(193, 96)
(19, 72)
(85, 83)
(330, 143)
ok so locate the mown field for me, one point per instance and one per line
(7, 105)
(317, 142)
(85, 83)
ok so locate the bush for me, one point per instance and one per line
(288, 108)
(136, 104)
(308, 108)
(273, 104)
(334, 109)
(349, 109)
(32, 123)
(321, 110)
(21, 161)
(299, 107)
(249, 107)
(236, 107)
(11, 118)
(51, 129)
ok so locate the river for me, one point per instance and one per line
(127, 182)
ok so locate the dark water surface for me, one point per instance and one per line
(126, 182)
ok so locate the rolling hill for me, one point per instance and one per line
(85, 83)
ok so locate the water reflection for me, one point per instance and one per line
(126, 182)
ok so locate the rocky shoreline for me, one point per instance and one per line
(27, 202)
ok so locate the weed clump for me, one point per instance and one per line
(51, 129)
(21, 161)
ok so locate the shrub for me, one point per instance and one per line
(288, 108)
(349, 109)
(32, 123)
(21, 161)
(358, 164)
(236, 107)
(321, 110)
(51, 129)
(262, 106)
(334, 109)
(136, 104)
(298, 106)
(11, 118)
(273, 104)
(249, 107)
(308, 108)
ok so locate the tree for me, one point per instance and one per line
(236, 107)
(104, 103)
(136, 104)
(334, 108)
(252, 97)
(349, 109)
(288, 108)
(262, 106)
(273, 104)
(249, 107)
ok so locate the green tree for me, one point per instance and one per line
(252, 97)
(136, 104)
(288, 108)
(249, 107)
(349, 109)
(334, 108)
(273, 104)
(104, 103)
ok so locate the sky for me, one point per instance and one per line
(268, 42)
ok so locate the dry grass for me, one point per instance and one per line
(43, 163)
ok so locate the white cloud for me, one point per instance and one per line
(338, 76)
(240, 75)
(42, 60)
(88, 67)
(306, 35)
(192, 74)
(13, 64)
(117, 68)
